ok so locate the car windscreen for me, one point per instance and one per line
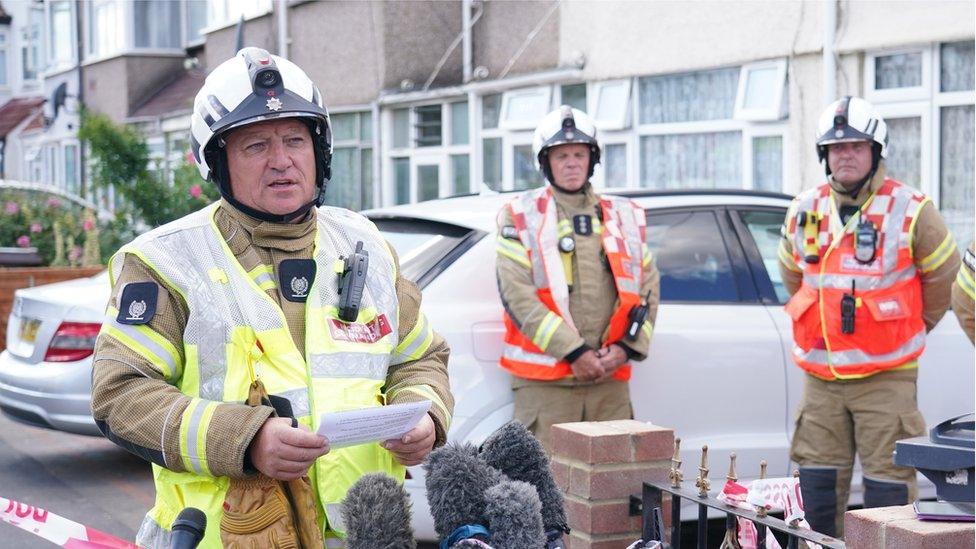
(425, 248)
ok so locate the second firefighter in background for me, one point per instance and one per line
(578, 284)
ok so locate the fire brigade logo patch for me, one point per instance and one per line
(294, 278)
(137, 305)
(274, 104)
(357, 332)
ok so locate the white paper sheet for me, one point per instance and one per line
(371, 424)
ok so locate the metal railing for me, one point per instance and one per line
(652, 497)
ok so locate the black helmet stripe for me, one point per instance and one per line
(205, 115)
(195, 147)
(219, 109)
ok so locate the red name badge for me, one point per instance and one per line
(357, 332)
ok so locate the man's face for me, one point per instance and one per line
(569, 165)
(272, 165)
(849, 162)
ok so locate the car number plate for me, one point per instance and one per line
(28, 329)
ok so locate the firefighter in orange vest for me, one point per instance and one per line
(869, 263)
(578, 284)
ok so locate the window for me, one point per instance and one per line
(523, 109)
(491, 157)
(767, 163)
(71, 180)
(573, 95)
(460, 174)
(224, 12)
(491, 108)
(428, 182)
(352, 161)
(401, 176)
(526, 174)
(761, 92)
(61, 34)
(696, 160)
(691, 255)
(401, 128)
(156, 24)
(611, 104)
(105, 20)
(926, 96)
(51, 165)
(614, 163)
(696, 130)
(428, 126)
(157, 157)
(764, 226)
(422, 246)
(31, 44)
(459, 123)
(3, 59)
(705, 95)
(196, 19)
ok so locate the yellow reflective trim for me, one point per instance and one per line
(648, 329)
(261, 269)
(202, 431)
(911, 226)
(428, 393)
(408, 348)
(966, 282)
(547, 328)
(786, 258)
(166, 367)
(648, 256)
(512, 250)
(941, 254)
(185, 432)
(564, 228)
(217, 274)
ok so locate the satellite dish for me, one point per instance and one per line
(58, 97)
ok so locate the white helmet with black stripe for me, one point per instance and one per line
(254, 86)
(560, 127)
(848, 120)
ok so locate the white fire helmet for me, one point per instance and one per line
(851, 119)
(255, 86)
(560, 127)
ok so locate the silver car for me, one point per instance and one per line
(719, 370)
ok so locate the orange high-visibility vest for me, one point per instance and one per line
(534, 216)
(888, 326)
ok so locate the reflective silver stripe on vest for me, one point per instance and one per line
(298, 398)
(526, 205)
(892, 226)
(416, 344)
(350, 365)
(854, 357)
(192, 432)
(153, 536)
(513, 352)
(861, 282)
(264, 278)
(148, 343)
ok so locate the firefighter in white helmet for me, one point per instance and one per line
(578, 284)
(231, 330)
(869, 263)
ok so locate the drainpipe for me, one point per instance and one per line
(466, 40)
(83, 189)
(282, 28)
(829, 59)
(377, 182)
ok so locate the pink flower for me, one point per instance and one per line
(88, 225)
(196, 191)
(11, 208)
(75, 253)
(23, 241)
(54, 202)
(35, 227)
(190, 159)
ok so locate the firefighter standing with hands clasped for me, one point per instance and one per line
(231, 330)
(869, 263)
(578, 284)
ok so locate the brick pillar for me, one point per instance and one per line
(598, 465)
(898, 527)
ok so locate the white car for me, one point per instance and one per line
(719, 370)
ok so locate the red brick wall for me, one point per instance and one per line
(598, 465)
(899, 527)
(28, 277)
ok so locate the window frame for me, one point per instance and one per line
(508, 95)
(875, 95)
(53, 65)
(769, 114)
(593, 92)
(360, 144)
(754, 260)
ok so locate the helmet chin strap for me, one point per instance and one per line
(270, 217)
(853, 192)
(580, 190)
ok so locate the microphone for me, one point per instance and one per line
(514, 513)
(376, 512)
(517, 454)
(457, 480)
(188, 529)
